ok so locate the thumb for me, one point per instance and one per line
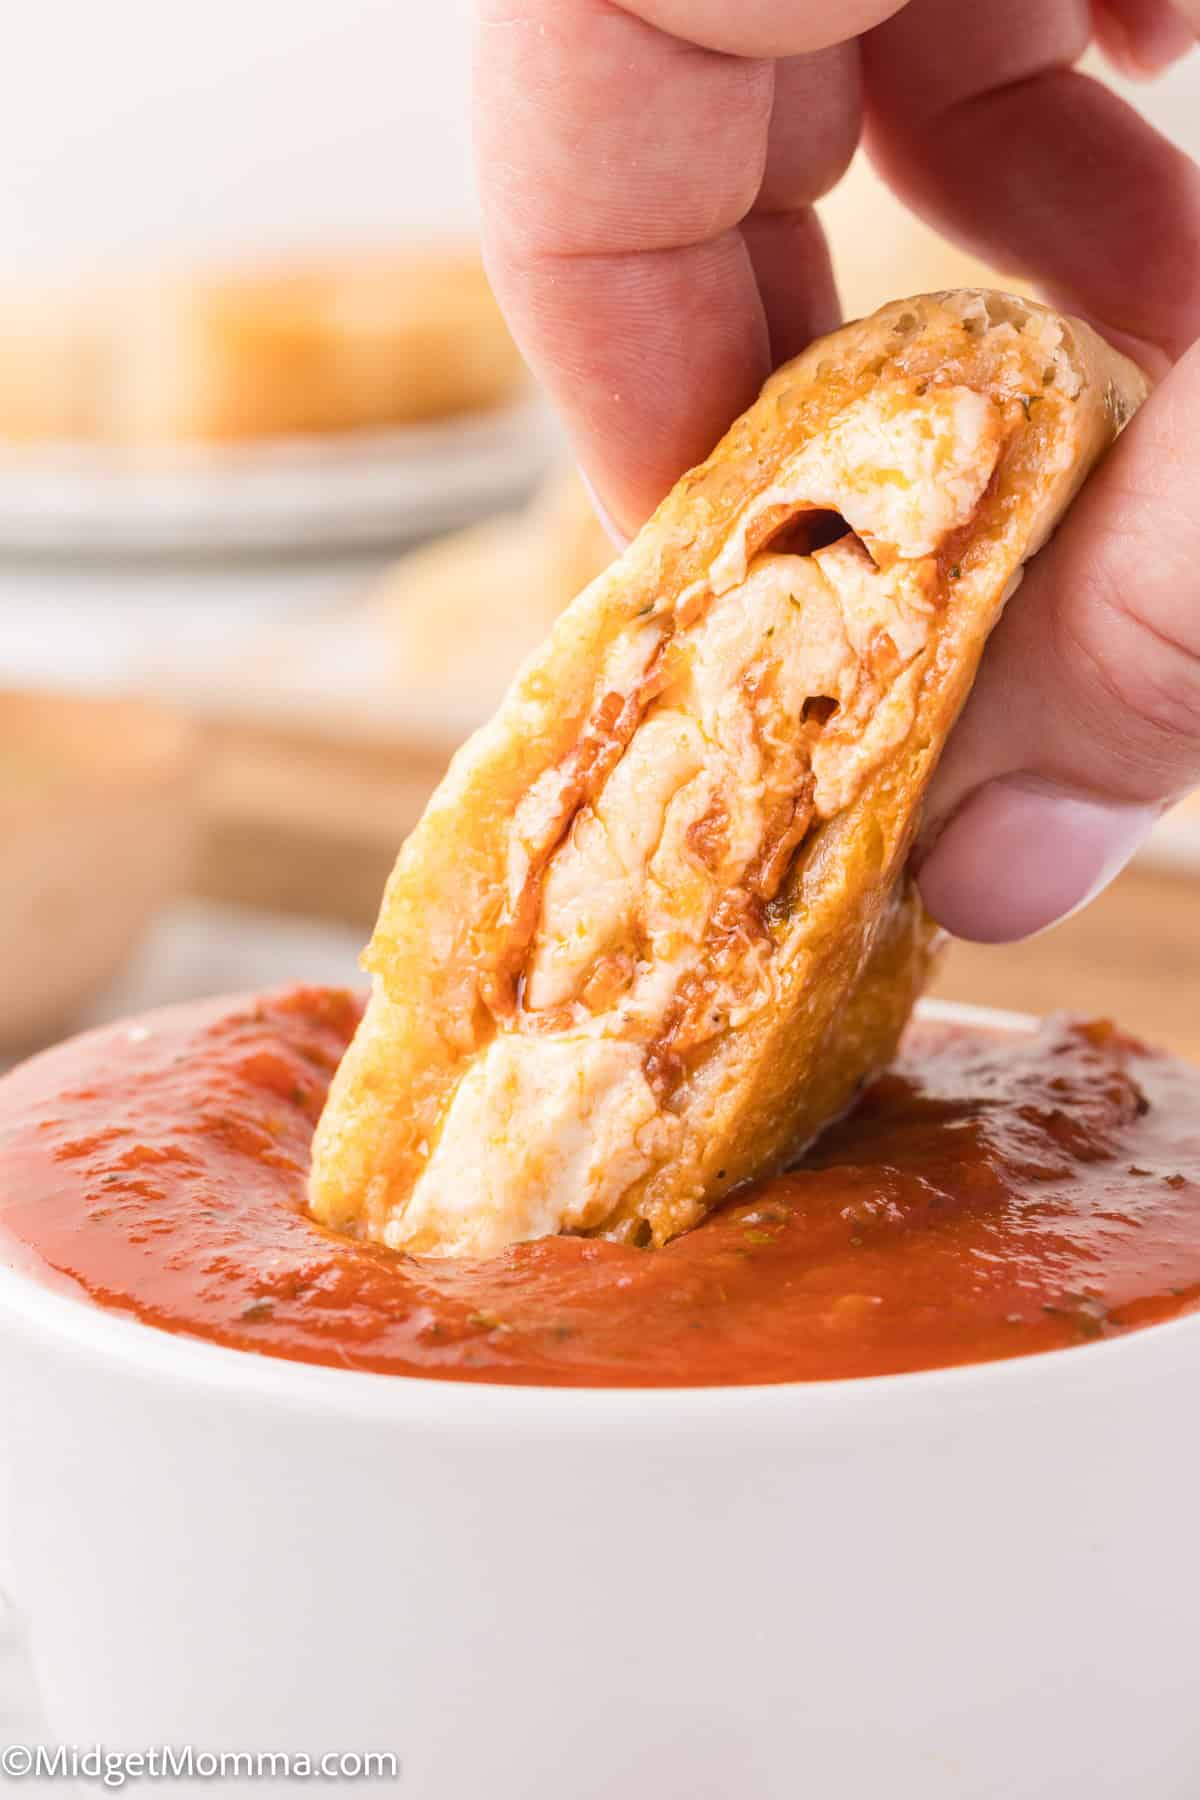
(1085, 720)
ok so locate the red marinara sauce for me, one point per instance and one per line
(990, 1196)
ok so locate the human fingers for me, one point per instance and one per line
(1143, 37)
(1085, 720)
(977, 119)
(619, 164)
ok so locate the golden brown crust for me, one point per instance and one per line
(346, 343)
(845, 940)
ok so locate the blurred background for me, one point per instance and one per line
(280, 509)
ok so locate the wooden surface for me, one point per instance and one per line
(1133, 956)
(301, 823)
(308, 825)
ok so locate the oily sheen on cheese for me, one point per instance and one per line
(655, 927)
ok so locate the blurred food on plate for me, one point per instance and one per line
(98, 811)
(464, 611)
(237, 355)
(327, 737)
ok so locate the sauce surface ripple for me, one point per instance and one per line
(989, 1197)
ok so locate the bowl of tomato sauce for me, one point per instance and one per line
(880, 1481)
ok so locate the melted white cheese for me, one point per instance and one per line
(543, 1135)
(902, 469)
(555, 1119)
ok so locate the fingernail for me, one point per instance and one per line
(620, 538)
(1021, 854)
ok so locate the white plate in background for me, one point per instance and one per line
(333, 491)
(331, 673)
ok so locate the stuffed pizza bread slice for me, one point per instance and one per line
(655, 926)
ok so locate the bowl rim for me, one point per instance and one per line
(160, 1358)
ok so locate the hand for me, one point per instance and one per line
(648, 172)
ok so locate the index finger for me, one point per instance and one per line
(617, 163)
(979, 120)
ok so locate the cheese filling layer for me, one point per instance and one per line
(643, 869)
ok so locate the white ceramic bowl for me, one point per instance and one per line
(971, 1584)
